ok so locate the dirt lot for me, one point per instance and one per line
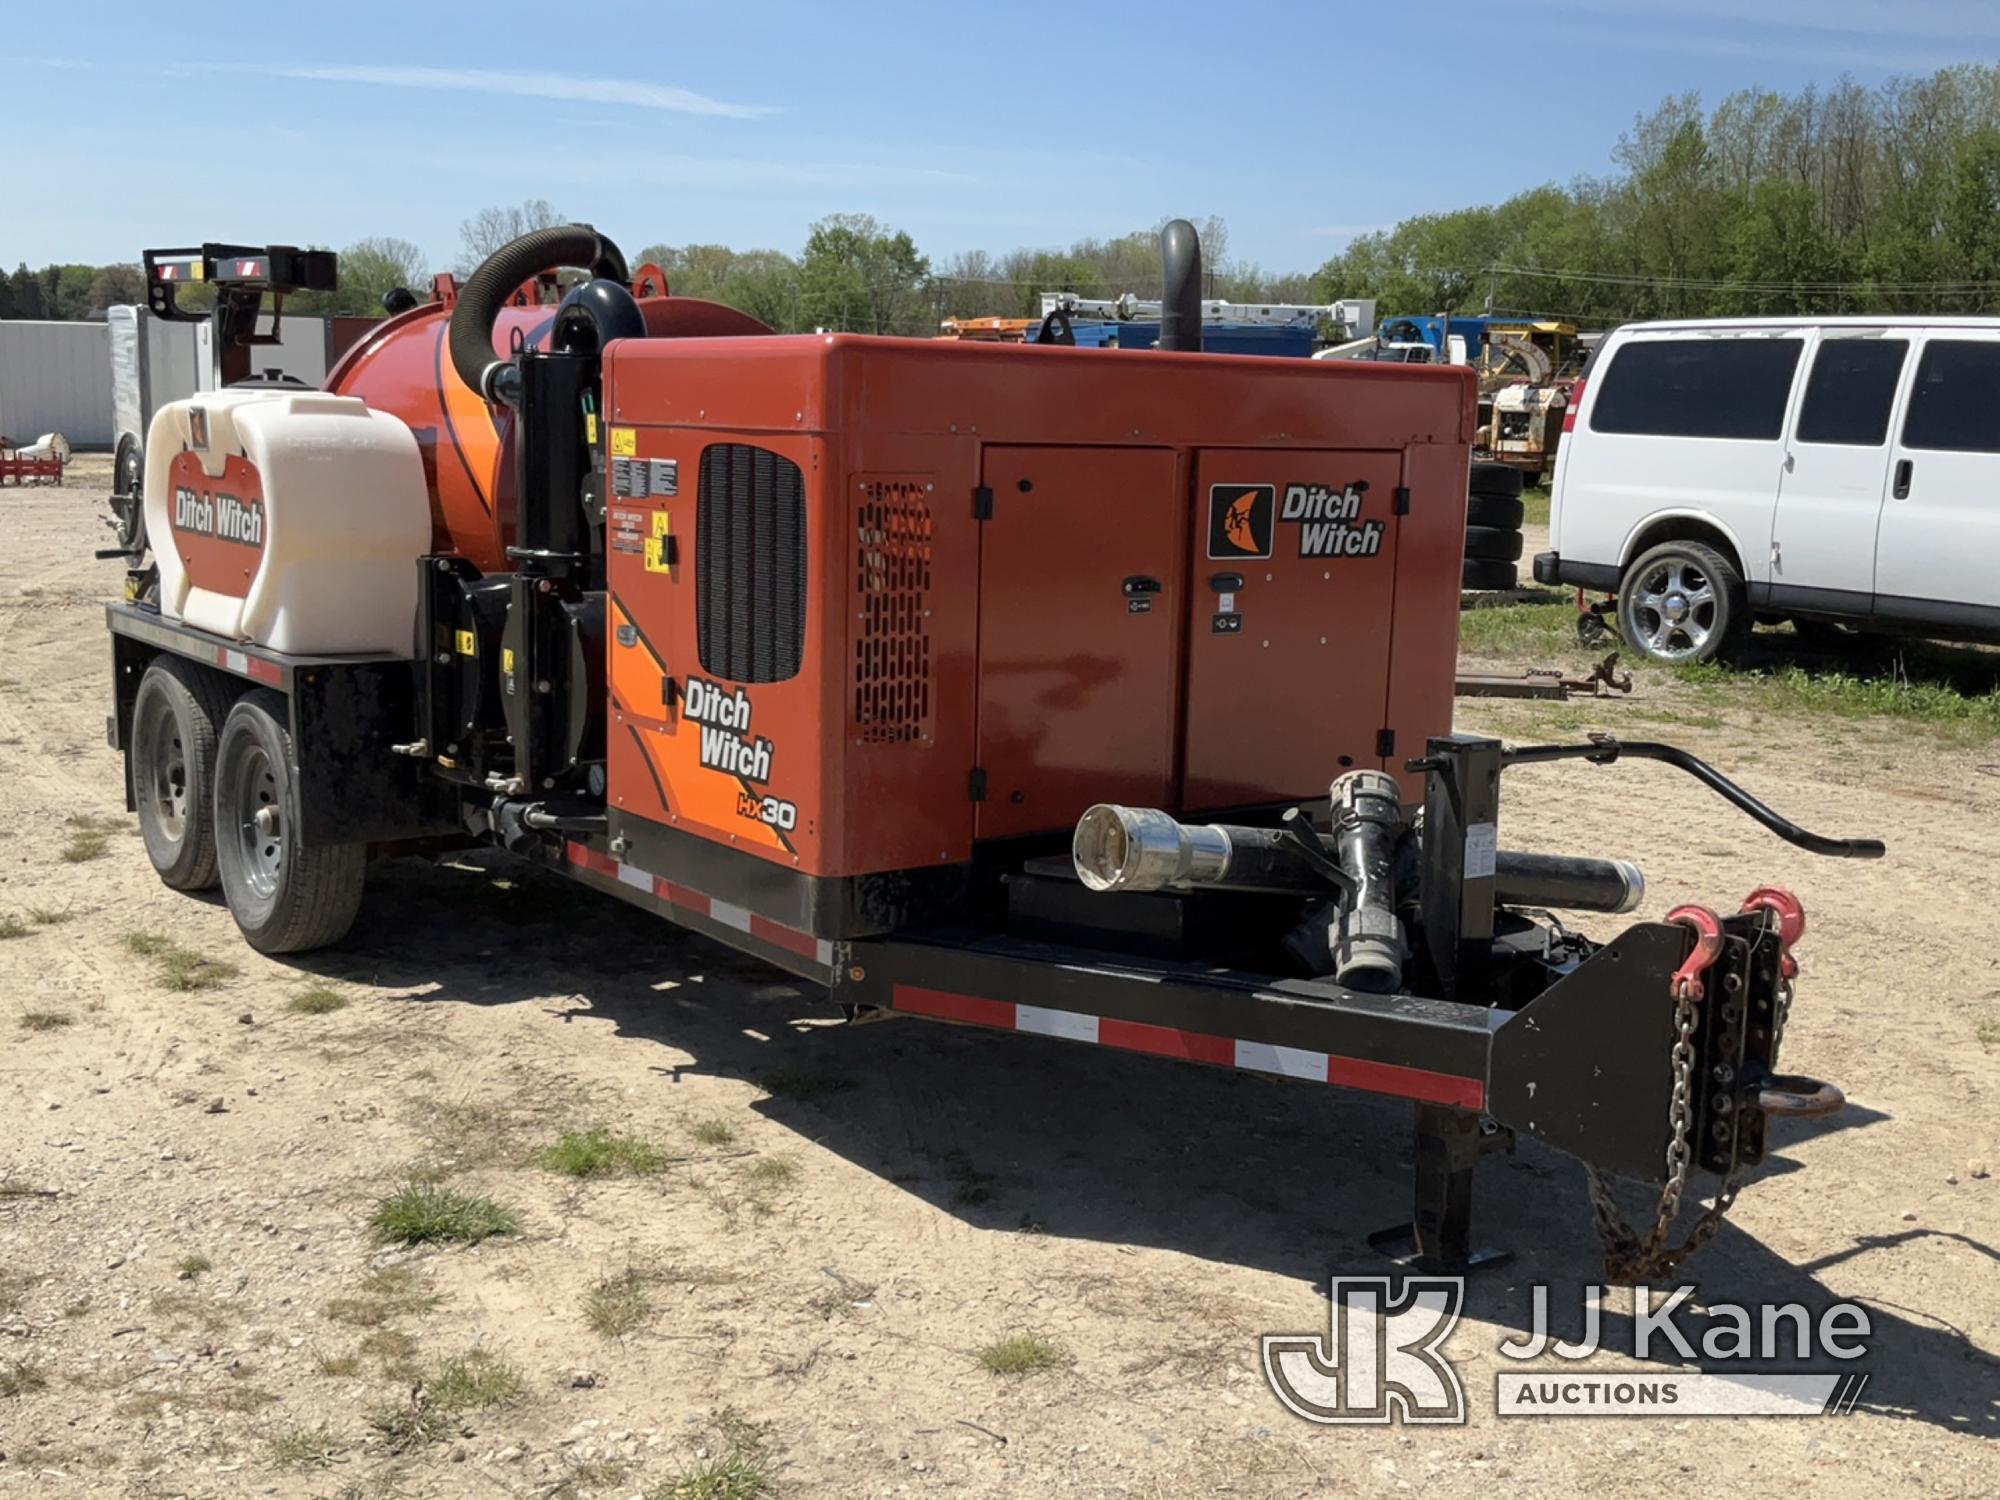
(192, 1303)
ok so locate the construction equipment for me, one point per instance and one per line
(1352, 318)
(39, 462)
(1106, 698)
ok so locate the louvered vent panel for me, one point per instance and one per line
(750, 564)
(892, 645)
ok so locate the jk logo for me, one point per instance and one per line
(1379, 1360)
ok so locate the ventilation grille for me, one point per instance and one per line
(750, 564)
(892, 647)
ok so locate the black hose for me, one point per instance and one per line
(1180, 292)
(1604, 750)
(487, 289)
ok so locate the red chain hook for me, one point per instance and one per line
(1791, 920)
(1686, 983)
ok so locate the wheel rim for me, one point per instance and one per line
(1675, 609)
(163, 759)
(260, 826)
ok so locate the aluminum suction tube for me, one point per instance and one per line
(1367, 937)
(1143, 849)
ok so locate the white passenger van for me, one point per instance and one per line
(1821, 469)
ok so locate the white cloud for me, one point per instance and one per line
(535, 86)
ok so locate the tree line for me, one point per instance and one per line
(1822, 201)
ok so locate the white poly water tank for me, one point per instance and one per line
(293, 519)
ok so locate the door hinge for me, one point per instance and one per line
(975, 785)
(1402, 499)
(1385, 743)
(982, 503)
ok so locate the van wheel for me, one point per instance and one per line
(1682, 602)
(286, 896)
(175, 715)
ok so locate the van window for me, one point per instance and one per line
(1698, 387)
(1850, 391)
(1955, 404)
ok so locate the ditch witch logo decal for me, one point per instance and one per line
(1242, 521)
(724, 717)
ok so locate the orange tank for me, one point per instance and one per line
(403, 367)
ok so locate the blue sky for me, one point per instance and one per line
(987, 126)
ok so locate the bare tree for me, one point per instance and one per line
(490, 228)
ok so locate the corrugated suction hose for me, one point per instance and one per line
(486, 291)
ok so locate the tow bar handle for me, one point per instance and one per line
(1603, 749)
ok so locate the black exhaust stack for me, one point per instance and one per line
(1180, 295)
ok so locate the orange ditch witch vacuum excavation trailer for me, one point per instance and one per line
(1105, 695)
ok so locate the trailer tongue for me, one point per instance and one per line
(995, 684)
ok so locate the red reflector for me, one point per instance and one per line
(1575, 401)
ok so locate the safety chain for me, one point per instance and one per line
(1627, 1257)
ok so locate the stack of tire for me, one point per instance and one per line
(1493, 513)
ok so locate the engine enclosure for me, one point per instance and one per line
(877, 603)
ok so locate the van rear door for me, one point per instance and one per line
(1940, 531)
(1836, 473)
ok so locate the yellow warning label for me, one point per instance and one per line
(590, 428)
(198, 271)
(656, 554)
(507, 661)
(467, 643)
(624, 442)
(663, 523)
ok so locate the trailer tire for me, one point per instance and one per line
(1492, 544)
(1495, 510)
(128, 486)
(1484, 575)
(175, 718)
(1503, 480)
(286, 896)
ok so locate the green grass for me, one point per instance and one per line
(1022, 1354)
(423, 1213)
(89, 837)
(713, 1132)
(618, 1305)
(337, 1365)
(178, 968)
(741, 1471)
(13, 927)
(18, 1378)
(1535, 506)
(317, 1001)
(304, 1448)
(189, 1267)
(599, 1153)
(44, 916)
(46, 1020)
(738, 1476)
(468, 1382)
(1963, 718)
(383, 1296)
(1546, 632)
